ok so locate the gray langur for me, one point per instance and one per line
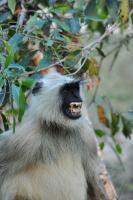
(53, 154)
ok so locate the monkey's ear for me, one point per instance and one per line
(37, 87)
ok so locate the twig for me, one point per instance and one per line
(21, 16)
(85, 59)
(106, 33)
(94, 44)
(35, 71)
(115, 56)
(57, 56)
(94, 96)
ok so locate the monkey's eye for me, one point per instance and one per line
(37, 87)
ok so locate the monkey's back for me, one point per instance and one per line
(64, 180)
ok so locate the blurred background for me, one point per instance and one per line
(117, 85)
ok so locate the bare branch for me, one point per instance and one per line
(35, 71)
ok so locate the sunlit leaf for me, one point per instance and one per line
(61, 8)
(8, 47)
(91, 67)
(102, 116)
(12, 5)
(22, 104)
(124, 10)
(28, 82)
(15, 93)
(9, 56)
(94, 18)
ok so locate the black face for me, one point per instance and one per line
(71, 100)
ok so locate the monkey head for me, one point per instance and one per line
(57, 98)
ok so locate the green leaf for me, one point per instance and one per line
(12, 5)
(1, 81)
(44, 63)
(4, 93)
(61, 8)
(5, 16)
(8, 47)
(26, 58)
(28, 82)
(72, 59)
(57, 36)
(49, 42)
(74, 24)
(101, 145)
(99, 132)
(22, 104)
(94, 18)
(35, 23)
(127, 127)
(115, 123)
(2, 60)
(16, 66)
(8, 60)
(61, 24)
(90, 8)
(5, 121)
(15, 40)
(15, 93)
(112, 6)
(100, 51)
(118, 148)
(2, 97)
(9, 57)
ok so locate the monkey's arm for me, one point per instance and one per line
(94, 167)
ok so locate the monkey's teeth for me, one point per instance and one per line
(75, 107)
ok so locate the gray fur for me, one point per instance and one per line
(50, 156)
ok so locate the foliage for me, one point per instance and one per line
(36, 35)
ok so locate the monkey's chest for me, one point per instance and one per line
(64, 180)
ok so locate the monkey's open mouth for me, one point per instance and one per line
(75, 107)
(73, 110)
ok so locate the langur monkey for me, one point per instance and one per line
(53, 154)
